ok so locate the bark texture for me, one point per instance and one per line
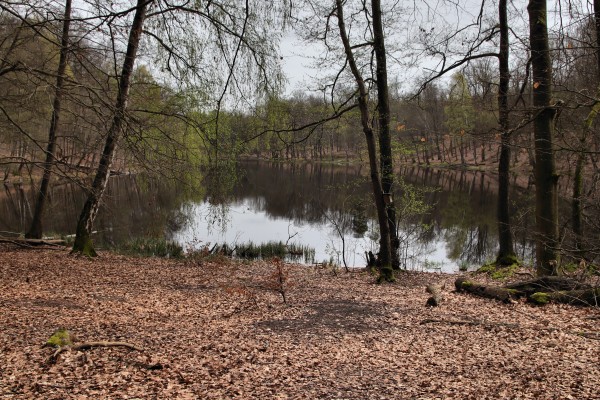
(546, 179)
(385, 139)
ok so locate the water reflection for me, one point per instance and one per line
(307, 204)
(317, 205)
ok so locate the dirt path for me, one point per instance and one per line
(213, 330)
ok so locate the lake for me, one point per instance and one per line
(452, 227)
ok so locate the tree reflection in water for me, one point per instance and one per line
(314, 203)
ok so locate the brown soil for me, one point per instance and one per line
(219, 330)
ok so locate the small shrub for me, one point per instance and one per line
(278, 280)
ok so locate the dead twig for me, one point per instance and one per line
(89, 345)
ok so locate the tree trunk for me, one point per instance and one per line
(35, 230)
(546, 179)
(576, 205)
(83, 242)
(506, 253)
(385, 139)
(597, 26)
(385, 258)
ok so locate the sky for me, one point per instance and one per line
(297, 63)
(438, 16)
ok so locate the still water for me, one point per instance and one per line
(320, 206)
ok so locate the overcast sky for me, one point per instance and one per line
(297, 56)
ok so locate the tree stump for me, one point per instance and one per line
(436, 295)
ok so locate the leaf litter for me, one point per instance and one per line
(218, 329)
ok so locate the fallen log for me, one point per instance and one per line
(583, 297)
(33, 242)
(539, 291)
(436, 296)
(491, 292)
(548, 284)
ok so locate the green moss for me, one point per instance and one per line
(466, 284)
(580, 267)
(499, 271)
(84, 246)
(386, 275)
(61, 337)
(540, 298)
(486, 268)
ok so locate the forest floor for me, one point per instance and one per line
(218, 329)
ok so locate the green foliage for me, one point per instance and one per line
(460, 114)
(219, 180)
(411, 201)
